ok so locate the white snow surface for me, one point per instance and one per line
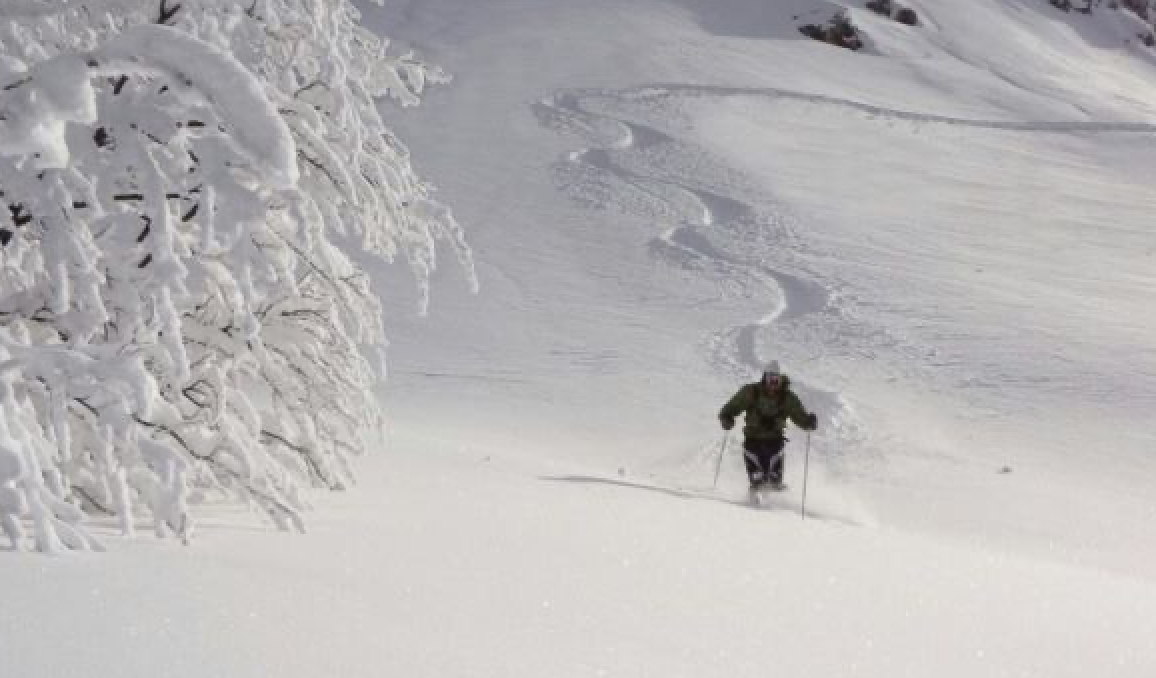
(944, 239)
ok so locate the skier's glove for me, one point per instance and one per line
(727, 423)
(811, 423)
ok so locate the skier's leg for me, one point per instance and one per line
(763, 452)
(775, 464)
(751, 461)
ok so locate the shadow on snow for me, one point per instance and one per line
(690, 494)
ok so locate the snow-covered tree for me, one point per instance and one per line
(1142, 8)
(178, 316)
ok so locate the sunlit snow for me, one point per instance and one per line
(944, 238)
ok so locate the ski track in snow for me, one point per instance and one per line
(733, 350)
(616, 169)
(794, 296)
(770, 503)
(660, 91)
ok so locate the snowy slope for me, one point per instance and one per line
(945, 241)
(455, 566)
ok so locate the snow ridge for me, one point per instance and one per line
(659, 91)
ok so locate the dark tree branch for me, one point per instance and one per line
(304, 453)
(19, 83)
(85, 496)
(167, 13)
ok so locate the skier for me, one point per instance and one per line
(767, 404)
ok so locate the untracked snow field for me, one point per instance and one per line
(945, 239)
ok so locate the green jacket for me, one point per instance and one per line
(766, 413)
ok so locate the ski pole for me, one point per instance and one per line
(806, 471)
(721, 454)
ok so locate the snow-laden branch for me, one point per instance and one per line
(194, 68)
(176, 322)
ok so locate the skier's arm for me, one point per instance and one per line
(736, 405)
(800, 416)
